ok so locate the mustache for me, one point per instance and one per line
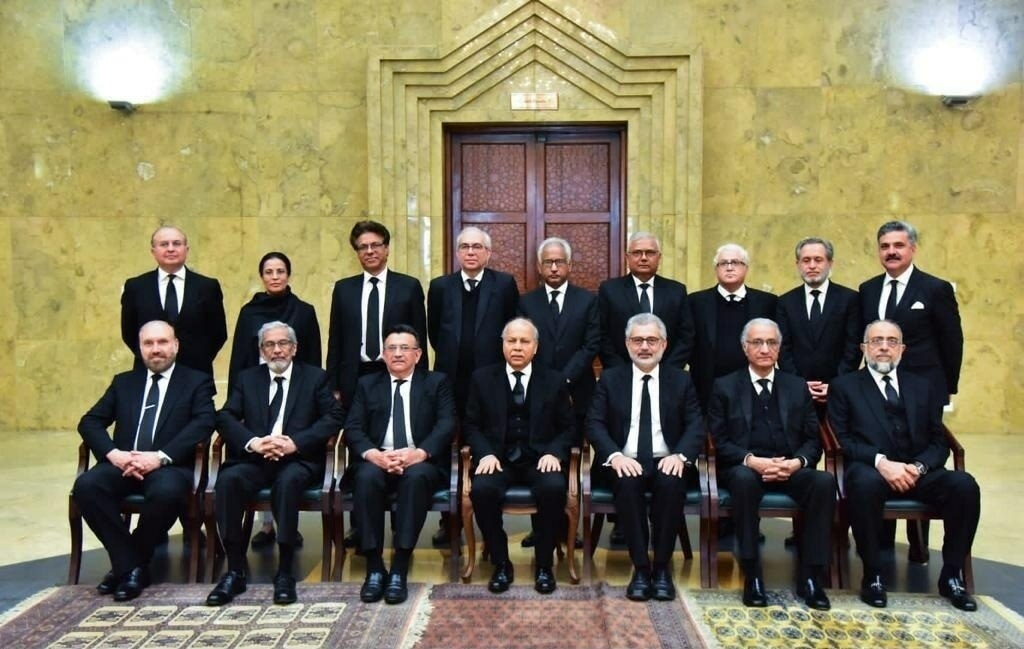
(892, 257)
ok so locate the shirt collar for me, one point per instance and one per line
(287, 374)
(637, 372)
(754, 378)
(741, 292)
(526, 370)
(637, 281)
(562, 290)
(903, 278)
(162, 274)
(382, 276)
(166, 374)
(877, 376)
(823, 288)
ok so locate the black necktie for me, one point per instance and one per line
(275, 403)
(555, 312)
(764, 396)
(890, 392)
(398, 435)
(734, 298)
(645, 439)
(147, 423)
(472, 284)
(373, 322)
(815, 306)
(518, 392)
(645, 300)
(890, 305)
(171, 300)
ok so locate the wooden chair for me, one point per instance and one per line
(316, 498)
(598, 502)
(908, 509)
(444, 499)
(519, 500)
(191, 519)
(773, 505)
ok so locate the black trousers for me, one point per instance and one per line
(548, 489)
(668, 495)
(954, 493)
(814, 490)
(413, 491)
(99, 492)
(238, 483)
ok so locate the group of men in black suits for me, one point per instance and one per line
(646, 330)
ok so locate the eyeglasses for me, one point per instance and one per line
(271, 345)
(367, 247)
(554, 263)
(475, 247)
(880, 341)
(758, 343)
(637, 254)
(640, 340)
(391, 349)
(177, 243)
(731, 262)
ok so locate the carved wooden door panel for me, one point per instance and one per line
(523, 186)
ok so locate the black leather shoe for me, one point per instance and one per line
(132, 584)
(284, 589)
(813, 594)
(753, 592)
(373, 587)
(501, 578)
(954, 589)
(544, 581)
(639, 588)
(662, 588)
(872, 591)
(109, 584)
(397, 590)
(617, 539)
(527, 541)
(263, 539)
(231, 584)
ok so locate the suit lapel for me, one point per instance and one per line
(873, 398)
(174, 390)
(455, 290)
(384, 394)
(547, 320)
(910, 293)
(909, 398)
(712, 318)
(782, 397)
(746, 391)
(293, 392)
(485, 288)
(139, 387)
(568, 299)
(668, 387)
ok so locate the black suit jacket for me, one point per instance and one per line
(730, 416)
(856, 411)
(930, 320)
(570, 343)
(403, 304)
(609, 415)
(186, 415)
(499, 297)
(201, 327)
(431, 413)
(759, 304)
(617, 302)
(552, 425)
(825, 351)
(311, 413)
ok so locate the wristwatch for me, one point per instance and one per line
(921, 468)
(164, 460)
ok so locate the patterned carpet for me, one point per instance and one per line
(456, 616)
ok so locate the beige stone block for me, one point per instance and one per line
(286, 178)
(31, 33)
(285, 35)
(787, 131)
(853, 145)
(663, 23)
(343, 146)
(984, 403)
(855, 46)
(729, 34)
(405, 23)
(790, 39)
(730, 150)
(9, 406)
(223, 44)
(38, 163)
(918, 142)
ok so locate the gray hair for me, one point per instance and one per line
(744, 255)
(636, 236)
(152, 237)
(830, 251)
(644, 319)
(758, 322)
(474, 230)
(555, 241)
(526, 321)
(864, 338)
(898, 226)
(277, 324)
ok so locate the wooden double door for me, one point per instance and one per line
(523, 185)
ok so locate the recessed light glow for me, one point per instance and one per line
(951, 68)
(135, 70)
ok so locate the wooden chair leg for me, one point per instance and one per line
(595, 532)
(455, 543)
(467, 517)
(340, 551)
(193, 528)
(684, 540)
(75, 522)
(570, 544)
(213, 543)
(326, 534)
(588, 550)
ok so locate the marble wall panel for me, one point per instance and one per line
(287, 155)
(730, 147)
(342, 138)
(787, 130)
(32, 34)
(790, 39)
(853, 156)
(224, 44)
(285, 35)
(855, 43)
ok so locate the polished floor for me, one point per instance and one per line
(36, 470)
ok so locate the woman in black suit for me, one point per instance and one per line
(276, 302)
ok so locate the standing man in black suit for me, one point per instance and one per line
(645, 427)
(365, 305)
(159, 414)
(399, 433)
(466, 312)
(819, 321)
(192, 303)
(276, 423)
(719, 314)
(765, 430)
(889, 424)
(519, 426)
(642, 290)
(922, 305)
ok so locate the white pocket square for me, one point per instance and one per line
(916, 305)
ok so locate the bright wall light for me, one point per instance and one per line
(951, 68)
(135, 70)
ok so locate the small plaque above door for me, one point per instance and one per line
(534, 101)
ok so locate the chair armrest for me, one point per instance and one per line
(709, 477)
(956, 448)
(216, 458)
(586, 466)
(829, 437)
(200, 470)
(83, 459)
(574, 473)
(467, 460)
(328, 482)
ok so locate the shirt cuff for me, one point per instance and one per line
(878, 458)
(165, 459)
(611, 457)
(248, 445)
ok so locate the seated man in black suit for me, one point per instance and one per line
(280, 445)
(520, 426)
(765, 430)
(159, 414)
(646, 428)
(399, 434)
(889, 424)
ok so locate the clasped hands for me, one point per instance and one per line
(490, 464)
(901, 476)
(273, 447)
(134, 464)
(397, 460)
(774, 469)
(624, 466)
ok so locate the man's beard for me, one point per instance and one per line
(883, 367)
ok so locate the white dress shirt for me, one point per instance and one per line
(809, 299)
(363, 302)
(405, 390)
(901, 288)
(179, 285)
